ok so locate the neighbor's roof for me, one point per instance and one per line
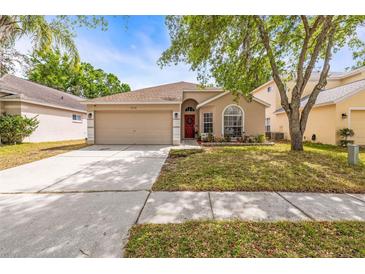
(168, 93)
(334, 95)
(332, 75)
(21, 89)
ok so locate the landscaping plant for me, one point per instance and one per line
(345, 133)
(261, 138)
(14, 128)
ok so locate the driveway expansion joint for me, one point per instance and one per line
(143, 206)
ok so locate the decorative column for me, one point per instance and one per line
(176, 138)
(90, 128)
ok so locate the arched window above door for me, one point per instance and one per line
(189, 109)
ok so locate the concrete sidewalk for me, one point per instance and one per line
(176, 207)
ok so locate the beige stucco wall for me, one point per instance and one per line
(254, 115)
(273, 98)
(353, 78)
(356, 102)
(122, 107)
(54, 124)
(321, 122)
(11, 107)
(200, 96)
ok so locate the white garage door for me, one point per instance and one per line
(132, 127)
(358, 126)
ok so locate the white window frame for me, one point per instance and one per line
(267, 124)
(74, 115)
(243, 117)
(204, 122)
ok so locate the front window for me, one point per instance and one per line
(208, 122)
(76, 117)
(267, 125)
(233, 117)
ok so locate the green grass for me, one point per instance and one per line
(320, 168)
(248, 239)
(14, 155)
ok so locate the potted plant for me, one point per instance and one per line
(345, 133)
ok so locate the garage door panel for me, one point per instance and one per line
(133, 127)
(358, 126)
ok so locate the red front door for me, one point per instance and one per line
(189, 126)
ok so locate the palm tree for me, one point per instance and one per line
(44, 34)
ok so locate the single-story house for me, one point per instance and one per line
(166, 114)
(61, 116)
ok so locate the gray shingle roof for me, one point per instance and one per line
(331, 96)
(28, 90)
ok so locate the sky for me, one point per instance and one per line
(132, 45)
(130, 49)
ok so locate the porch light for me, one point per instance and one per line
(344, 115)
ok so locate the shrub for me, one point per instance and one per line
(227, 138)
(219, 139)
(199, 137)
(210, 137)
(344, 134)
(14, 128)
(261, 138)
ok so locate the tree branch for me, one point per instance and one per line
(317, 48)
(299, 87)
(275, 70)
(321, 83)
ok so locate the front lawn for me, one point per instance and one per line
(15, 155)
(248, 239)
(320, 168)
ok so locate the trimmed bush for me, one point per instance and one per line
(14, 128)
(261, 138)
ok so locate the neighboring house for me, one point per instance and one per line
(341, 104)
(168, 113)
(61, 116)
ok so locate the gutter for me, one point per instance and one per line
(41, 104)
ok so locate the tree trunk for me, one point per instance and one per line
(296, 135)
(296, 139)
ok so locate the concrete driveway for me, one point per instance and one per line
(77, 204)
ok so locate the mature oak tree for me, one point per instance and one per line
(243, 52)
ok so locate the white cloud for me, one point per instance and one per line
(137, 67)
